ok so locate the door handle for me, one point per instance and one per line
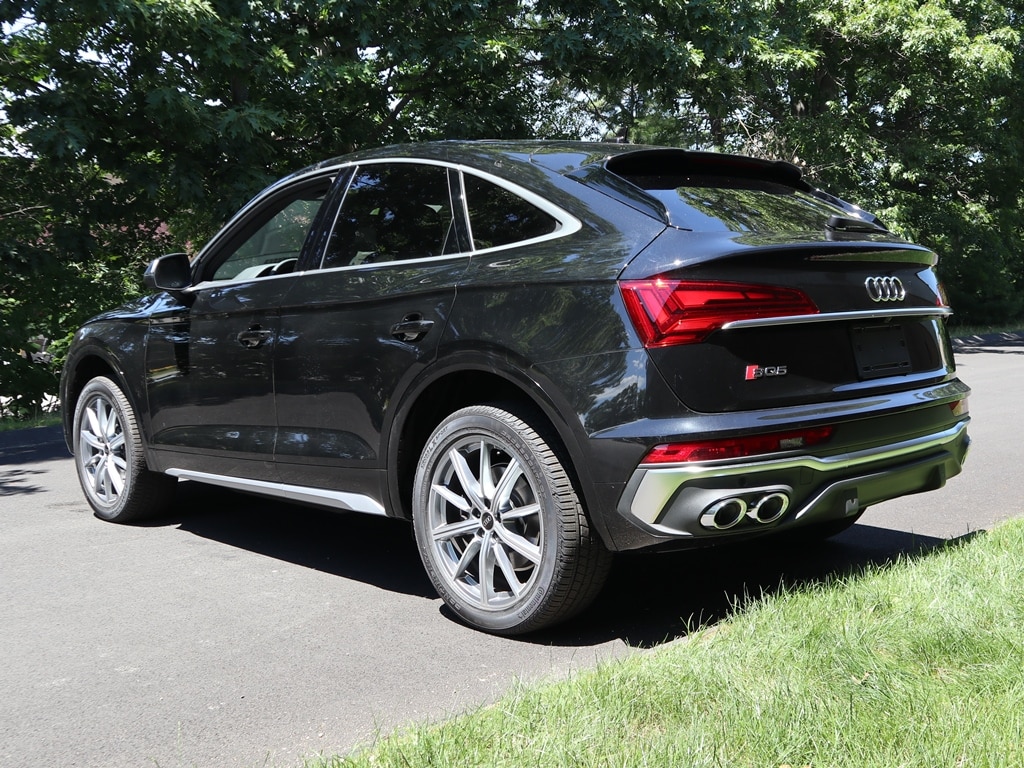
(411, 328)
(254, 337)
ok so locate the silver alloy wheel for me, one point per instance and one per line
(498, 524)
(102, 452)
(485, 523)
(110, 457)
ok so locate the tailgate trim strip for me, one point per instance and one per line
(836, 317)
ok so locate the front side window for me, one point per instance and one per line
(499, 217)
(271, 240)
(394, 212)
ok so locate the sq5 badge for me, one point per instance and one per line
(764, 371)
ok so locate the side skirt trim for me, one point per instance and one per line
(321, 497)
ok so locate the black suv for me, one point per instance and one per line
(539, 353)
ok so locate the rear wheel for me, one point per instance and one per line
(109, 457)
(499, 525)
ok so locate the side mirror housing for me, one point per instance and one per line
(171, 272)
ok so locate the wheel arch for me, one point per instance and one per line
(475, 380)
(87, 364)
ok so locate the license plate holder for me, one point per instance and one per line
(880, 350)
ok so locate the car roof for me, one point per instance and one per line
(566, 157)
(607, 166)
(558, 156)
(602, 165)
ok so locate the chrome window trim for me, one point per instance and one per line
(330, 173)
(355, 166)
(350, 502)
(209, 284)
(567, 223)
(385, 264)
(834, 317)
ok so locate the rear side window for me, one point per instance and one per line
(500, 217)
(394, 212)
(745, 205)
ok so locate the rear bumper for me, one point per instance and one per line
(725, 499)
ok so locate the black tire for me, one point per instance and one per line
(499, 525)
(109, 457)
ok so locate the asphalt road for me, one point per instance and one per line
(242, 632)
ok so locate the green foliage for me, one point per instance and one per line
(134, 126)
(910, 108)
(63, 257)
(907, 107)
(137, 126)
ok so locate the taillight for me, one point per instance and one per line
(667, 311)
(737, 447)
(959, 408)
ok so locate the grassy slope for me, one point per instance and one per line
(916, 664)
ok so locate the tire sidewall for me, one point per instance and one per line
(102, 387)
(537, 597)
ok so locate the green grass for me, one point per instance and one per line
(43, 420)
(920, 663)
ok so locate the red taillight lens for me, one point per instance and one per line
(737, 447)
(960, 408)
(667, 311)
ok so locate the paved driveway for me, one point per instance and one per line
(241, 632)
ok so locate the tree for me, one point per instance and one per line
(911, 105)
(907, 107)
(135, 126)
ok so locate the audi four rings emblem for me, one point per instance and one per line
(885, 289)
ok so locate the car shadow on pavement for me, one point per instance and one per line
(650, 599)
(374, 550)
(28, 446)
(653, 599)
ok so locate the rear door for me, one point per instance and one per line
(357, 330)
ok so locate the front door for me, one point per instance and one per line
(210, 356)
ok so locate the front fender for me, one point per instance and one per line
(102, 348)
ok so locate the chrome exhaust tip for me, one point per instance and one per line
(769, 508)
(724, 514)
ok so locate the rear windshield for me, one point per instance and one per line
(727, 204)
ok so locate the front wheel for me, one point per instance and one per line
(109, 457)
(499, 525)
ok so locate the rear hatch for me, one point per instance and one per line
(763, 292)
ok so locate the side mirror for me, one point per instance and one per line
(172, 272)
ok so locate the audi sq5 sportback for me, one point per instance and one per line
(537, 353)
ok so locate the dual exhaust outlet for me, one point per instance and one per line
(730, 512)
